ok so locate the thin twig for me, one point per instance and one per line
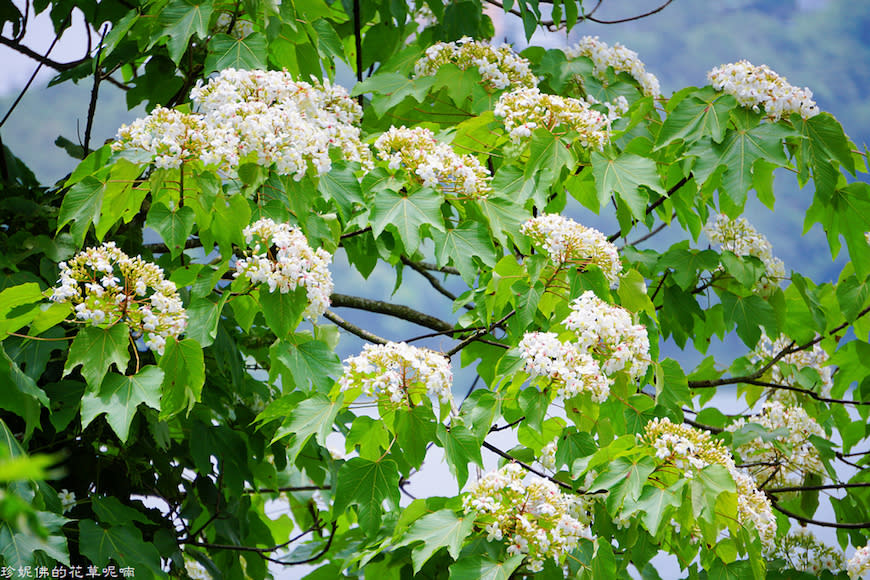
(805, 520)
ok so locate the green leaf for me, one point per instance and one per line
(656, 503)
(483, 566)
(504, 217)
(407, 215)
(391, 89)
(340, 184)
(174, 226)
(230, 215)
(313, 416)
(745, 269)
(19, 393)
(625, 176)
(96, 349)
(461, 244)
(672, 387)
(461, 447)
(704, 113)
(247, 53)
(366, 484)
(436, 530)
(204, 316)
(180, 20)
(12, 300)
(624, 477)
(328, 42)
(19, 548)
(111, 511)
(183, 376)
(750, 313)
(309, 363)
(81, 205)
(549, 153)
(283, 310)
(572, 445)
(120, 396)
(687, 264)
(123, 545)
(738, 152)
(633, 293)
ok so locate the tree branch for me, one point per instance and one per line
(817, 487)
(842, 526)
(396, 310)
(43, 60)
(353, 329)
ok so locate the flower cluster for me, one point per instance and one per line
(500, 66)
(815, 358)
(803, 552)
(618, 57)
(107, 286)
(567, 242)
(739, 237)
(170, 136)
(526, 109)
(755, 86)
(859, 563)
(548, 455)
(281, 257)
(433, 162)
(535, 518)
(690, 449)
(263, 117)
(399, 373)
(605, 342)
(800, 457)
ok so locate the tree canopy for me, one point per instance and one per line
(178, 363)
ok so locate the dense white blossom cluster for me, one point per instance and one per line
(170, 136)
(535, 518)
(804, 552)
(500, 66)
(400, 373)
(106, 287)
(741, 238)
(281, 257)
(690, 449)
(434, 163)
(620, 58)
(604, 341)
(784, 372)
(567, 242)
(526, 109)
(264, 117)
(755, 86)
(799, 457)
(859, 564)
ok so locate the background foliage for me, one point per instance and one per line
(187, 431)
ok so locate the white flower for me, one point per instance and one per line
(533, 518)
(738, 236)
(67, 499)
(435, 163)
(524, 109)
(757, 86)
(859, 563)
(399, 372)
(566, 241)
(500, 66)
(117, 288)
(292, 263)
(263, 117)
(620, 58)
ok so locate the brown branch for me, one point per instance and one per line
(805, 520)
(395, 310)
(651, 207)
(817, 487)
(92, 105)
(790, 349)
(478, 334)
(433, 281)
(43, 60)
(315, 556)
(353, 329)
(631, 18)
